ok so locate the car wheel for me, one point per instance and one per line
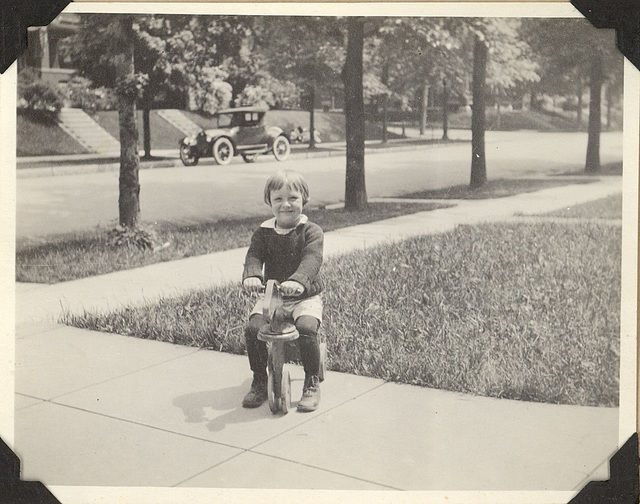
(222, 151)
(281, 148)
(186, 157)
(249, 158)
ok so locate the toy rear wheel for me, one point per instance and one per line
(222, 151)
(323, 361)
(285, 392)
(187, 158)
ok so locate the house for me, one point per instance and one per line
(42, 48)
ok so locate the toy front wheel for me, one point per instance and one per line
(274, 402)
(271, 385)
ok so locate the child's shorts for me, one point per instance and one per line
(295, 308)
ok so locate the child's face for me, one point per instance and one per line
(286, 205)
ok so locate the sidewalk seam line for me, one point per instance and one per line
(208, 469)
(173, 359)
(320, 414)
(141, 424)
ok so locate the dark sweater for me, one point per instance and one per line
(295, 256)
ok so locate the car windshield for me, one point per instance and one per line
(225, 120)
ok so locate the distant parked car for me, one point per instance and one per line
(240, 131)
(302, 135)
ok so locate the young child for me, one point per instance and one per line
(286, 248)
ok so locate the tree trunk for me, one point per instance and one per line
(478, 118)
(385, 103)
(609, 94)
(312, 117)
(579, 110)
(355, 197)
(445, 110)
(128, 202)
(385, 108)
(595, 118)
(423, 115)
(146, 130)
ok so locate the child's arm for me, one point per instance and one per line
(309, 267)
(252, 275)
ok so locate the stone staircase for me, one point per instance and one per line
(179, 121)
(87, 132)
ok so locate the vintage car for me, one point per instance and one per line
(239, 131)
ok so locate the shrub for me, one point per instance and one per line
(80, 94)
(210, 92)
(570, 104)
(270, 92)
(142, 238)
(38, 95)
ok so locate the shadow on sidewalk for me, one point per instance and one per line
(195, 407)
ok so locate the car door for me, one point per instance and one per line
(251, 133)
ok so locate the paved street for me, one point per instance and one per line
(48, 205)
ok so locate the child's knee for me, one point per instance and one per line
(256, 321)
(307, 325)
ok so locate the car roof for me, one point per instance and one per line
(242, 109)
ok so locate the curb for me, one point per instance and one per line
(77, 168)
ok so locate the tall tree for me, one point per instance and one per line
(127, 90)
(420, 57)
(314, 53)
(144, 56)
(500, 61)
(570, 51)
(478, 118)
(355, 188)
(596, 79)
(185, 59)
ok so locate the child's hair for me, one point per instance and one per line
(286, 178)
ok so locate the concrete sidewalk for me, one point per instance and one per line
(100, 409)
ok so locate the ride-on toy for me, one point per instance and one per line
(277, 333)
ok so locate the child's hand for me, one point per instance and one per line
(291, 288)
(252, 284)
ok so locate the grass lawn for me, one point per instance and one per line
(36, 138)
(498, 188)
(605, 208)
(79, 255)
(526, 311)
(163, 134)
(610, 169)
(514, 120)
